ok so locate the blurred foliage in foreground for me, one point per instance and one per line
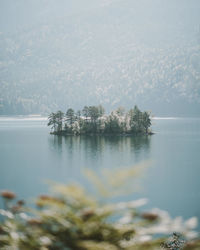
(71, 219)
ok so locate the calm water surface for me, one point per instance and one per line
(29, 156)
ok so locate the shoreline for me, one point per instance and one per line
(100, 134)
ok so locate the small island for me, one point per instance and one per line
(92, 120)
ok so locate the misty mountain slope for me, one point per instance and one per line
(109, 52)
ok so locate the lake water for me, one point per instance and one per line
(29, 156)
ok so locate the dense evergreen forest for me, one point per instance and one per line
(93, 120)
(113, 52)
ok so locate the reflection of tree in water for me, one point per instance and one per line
(70, 142)
(88, 146)
(140, 142)
(129, 144)
(92, 147)
(55, 143)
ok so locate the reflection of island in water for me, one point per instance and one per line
(92, 151)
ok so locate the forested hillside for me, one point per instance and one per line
(55, 54)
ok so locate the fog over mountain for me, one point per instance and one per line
(56, 54)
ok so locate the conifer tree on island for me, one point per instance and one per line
(93, 120)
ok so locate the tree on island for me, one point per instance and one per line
(52, 121)
(70, 118)
(113, 124)
(59, 120)
(135, 120)
(56, 121)
(85, 112)
(94, 121)
(146, 121)
(78, 115)
(94, 114)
